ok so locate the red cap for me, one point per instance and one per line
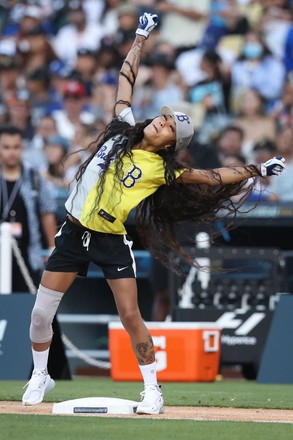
(74, 88)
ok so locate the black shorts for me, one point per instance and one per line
(76, 247)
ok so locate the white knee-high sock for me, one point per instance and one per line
(149, 373)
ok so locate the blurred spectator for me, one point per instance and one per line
(93, 10)
(85, 68)
(188, 65)
(34, 49)
(42, 100)
(59, 74)
(211, 96)
(77, 34)
(229, 143)
(189, 62)
(284, 188)
(55, 149)
(108, 56)
(274, 25)
(225, 18)
(74, 100)
(127, 17)
(160, 88)
(202, 155)
(10, 76)
(19, 113)
(283, 110)
(165, 47)
(251, 71)
(217, 25)
(109, 17)
(34, 150)
(123, 41)
(11, 13)
(18, 17)
(27, 203)
(103, 95)
(188, 17)
(253, 120)
(220, 151)
(213, 92)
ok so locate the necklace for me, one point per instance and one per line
(8, 201)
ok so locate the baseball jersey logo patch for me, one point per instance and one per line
(131, 177)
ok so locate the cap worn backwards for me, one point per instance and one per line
(184, 127)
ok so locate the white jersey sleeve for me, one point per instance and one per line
(127, 116)
(76, 200)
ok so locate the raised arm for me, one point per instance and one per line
(129, 70)
(227, 175)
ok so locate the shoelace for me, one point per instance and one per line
(86, 237)
(150, 388)
(34, 378)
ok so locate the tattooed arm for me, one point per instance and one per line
(127, 75)
(129, 70)
(219, 176)
(226, 176)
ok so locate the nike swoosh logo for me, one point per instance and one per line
(121, 268)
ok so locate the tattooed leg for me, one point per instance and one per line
(125, 295)
(144, 351)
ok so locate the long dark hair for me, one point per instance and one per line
(126, 137)
(158, 216)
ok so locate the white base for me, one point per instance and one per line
(95, 405)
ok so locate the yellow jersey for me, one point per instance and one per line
(142, 176)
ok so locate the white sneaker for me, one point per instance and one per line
(152, 401)
(39, 385)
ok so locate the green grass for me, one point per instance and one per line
(14, 427)
(226, 393)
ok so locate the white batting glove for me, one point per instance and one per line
(147, 22)
(272, 167)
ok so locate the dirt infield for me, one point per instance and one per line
(176, 413)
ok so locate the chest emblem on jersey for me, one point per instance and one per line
(131, 177)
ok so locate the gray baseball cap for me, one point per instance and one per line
(184, 127)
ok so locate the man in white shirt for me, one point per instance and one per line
(77, 34)
(187, 18)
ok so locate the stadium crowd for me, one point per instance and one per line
(228, 63)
